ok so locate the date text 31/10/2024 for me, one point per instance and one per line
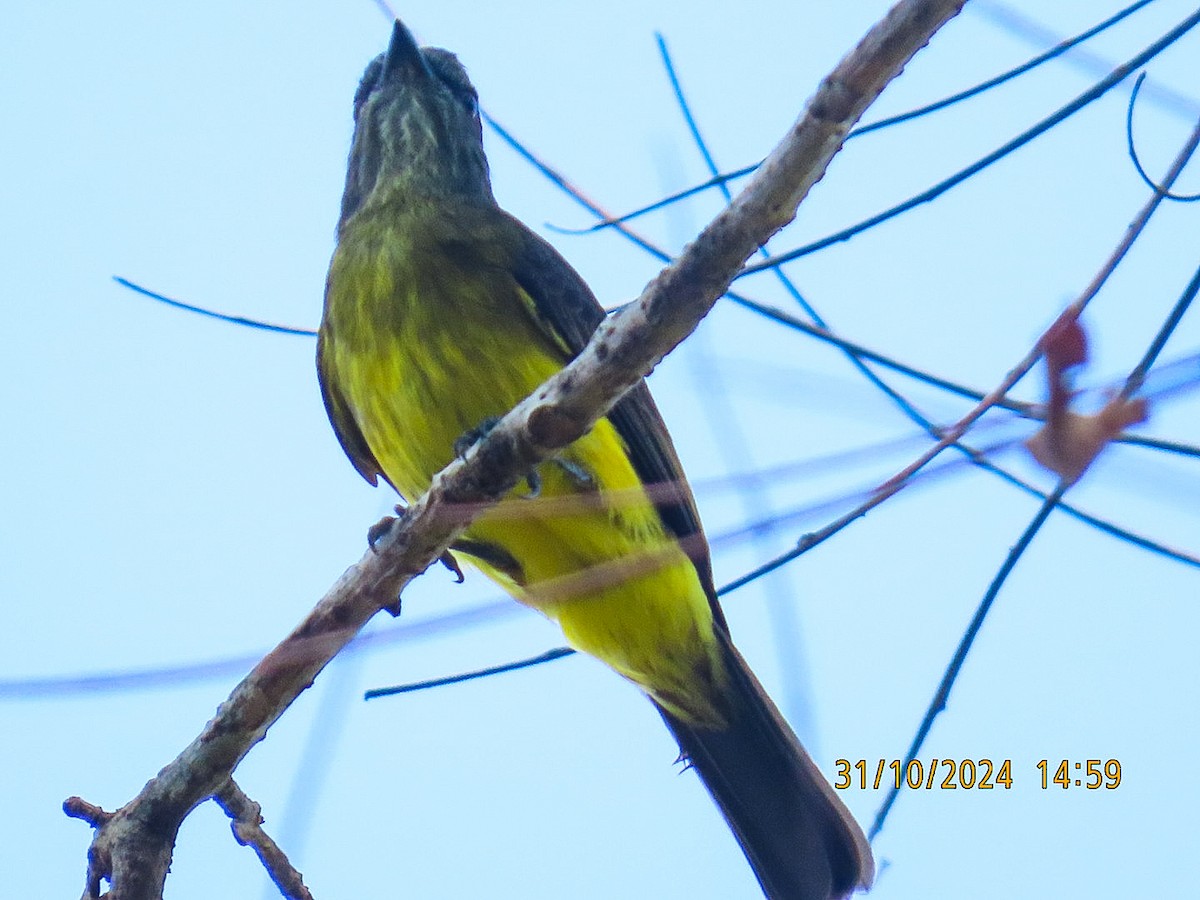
(973, 774)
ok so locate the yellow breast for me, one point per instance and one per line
(425, 346)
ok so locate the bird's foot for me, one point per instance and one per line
(379, 530)
(470, 438)
(377, 533)
(580, 477)
(448, 560)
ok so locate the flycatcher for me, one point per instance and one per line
(442, 312)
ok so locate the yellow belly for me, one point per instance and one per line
(593, 553)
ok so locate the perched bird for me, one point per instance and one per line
(441, 313)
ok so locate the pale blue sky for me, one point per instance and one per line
(173, 492)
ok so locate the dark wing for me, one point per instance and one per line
(568, 306)
(344, 426)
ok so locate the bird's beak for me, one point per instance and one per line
(403, 57)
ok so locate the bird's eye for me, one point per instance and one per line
(453, 76)
(464, 93)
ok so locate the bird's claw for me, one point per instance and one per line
(469, 439)
(580, 476)
(379, 530)
(377, 533)
(448, 560)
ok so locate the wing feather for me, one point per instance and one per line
(571, 312)
(344, 425)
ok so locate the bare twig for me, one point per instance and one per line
(134, 847)
(942, 694)
(246, 822)
(1131, 146)
(213, 314)
(1137, 377)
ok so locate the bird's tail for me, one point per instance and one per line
(800, 839)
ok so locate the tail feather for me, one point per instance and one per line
(800, 839)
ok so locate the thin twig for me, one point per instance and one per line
(548, 656)
(942, 694)
(1138, 376)
(212, 314)
(1131, 146)
(246, 821)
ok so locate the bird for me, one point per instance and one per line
(441, 312)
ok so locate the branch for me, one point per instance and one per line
(246, 820)
(132, 848)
